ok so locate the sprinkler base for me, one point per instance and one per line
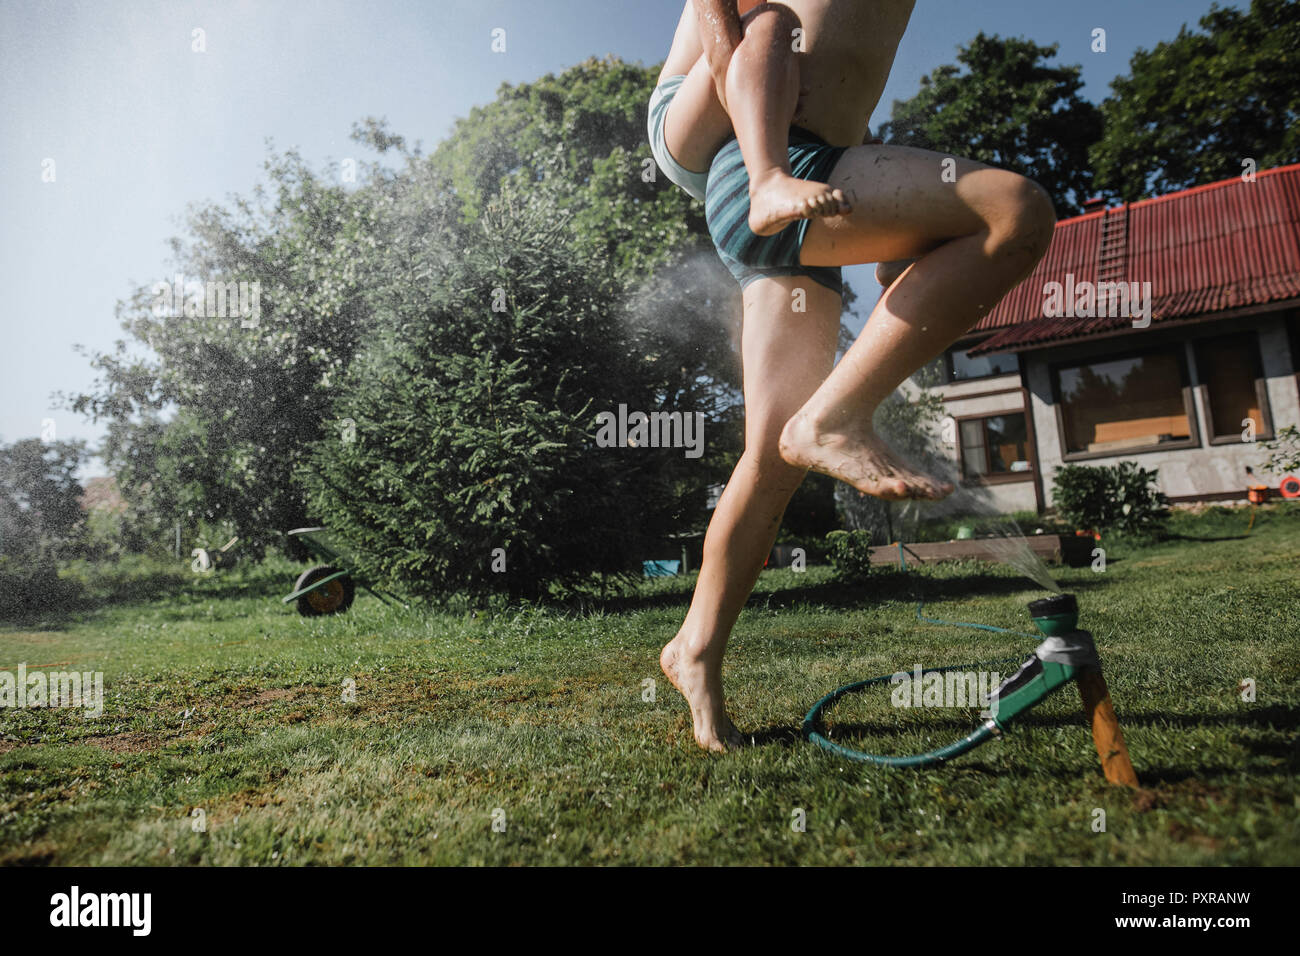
(1067, 654)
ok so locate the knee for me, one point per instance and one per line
(772, 19)
(1025, 219)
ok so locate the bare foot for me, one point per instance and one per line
(703, 691)
(778, 199)
(861, 460)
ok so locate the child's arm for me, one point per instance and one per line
(720, 34)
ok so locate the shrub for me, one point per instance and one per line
(850, 553)
(475, 466)
(1283, 451)
(41, 522)
(1120, 497)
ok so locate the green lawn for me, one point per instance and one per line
(219, 697)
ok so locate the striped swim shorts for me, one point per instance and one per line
(726, 209)
(660, 100)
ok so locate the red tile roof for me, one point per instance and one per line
(1220, 246)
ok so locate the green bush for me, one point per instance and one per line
(475, 466)
(1120, 497)
(850, 553)
(1283, 451)
(41, 522)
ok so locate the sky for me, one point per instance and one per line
(114, 123)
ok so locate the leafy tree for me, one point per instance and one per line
(582, 137)
(40, 493)
(1010, 109)
(243, 403)
(41, 519)
(247, 400)
(476, 424)
(1194, 108)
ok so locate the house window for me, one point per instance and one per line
(1120, 404)
(1232, 384)
(995, 446)
(962, 366)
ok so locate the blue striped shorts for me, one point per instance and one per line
(726, 209)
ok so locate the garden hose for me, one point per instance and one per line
(984, 732)
(1053, 664)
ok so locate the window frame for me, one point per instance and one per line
(991, 478)
(949, 372)
(1265, 431)
(1179, 350)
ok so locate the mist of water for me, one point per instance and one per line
(1000, 535)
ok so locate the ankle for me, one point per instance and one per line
(767, 177)
(853, 422)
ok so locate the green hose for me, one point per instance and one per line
(955, 749)
(972, 740)
(982, 627)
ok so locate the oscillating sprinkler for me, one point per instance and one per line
(1067, 654)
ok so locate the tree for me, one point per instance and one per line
(41, 519)
(40, 494)
(582, 137)
(475, 465)
(212, 428)
(1009, 109)
(245, 400)
(1195, 109)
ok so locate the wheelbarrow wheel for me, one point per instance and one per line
(334, 597)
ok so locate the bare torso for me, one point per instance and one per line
(849, 48)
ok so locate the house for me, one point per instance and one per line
(1165, 332)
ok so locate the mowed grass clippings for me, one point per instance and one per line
(236, 732)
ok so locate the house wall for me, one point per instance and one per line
(995, 395)
(1201, 471)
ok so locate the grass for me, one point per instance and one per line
(222, 701)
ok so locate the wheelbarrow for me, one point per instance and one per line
(327, 588)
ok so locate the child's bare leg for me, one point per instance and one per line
(785, 356)
(762, 93)
(976, 239)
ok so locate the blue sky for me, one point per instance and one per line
(139, 125)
